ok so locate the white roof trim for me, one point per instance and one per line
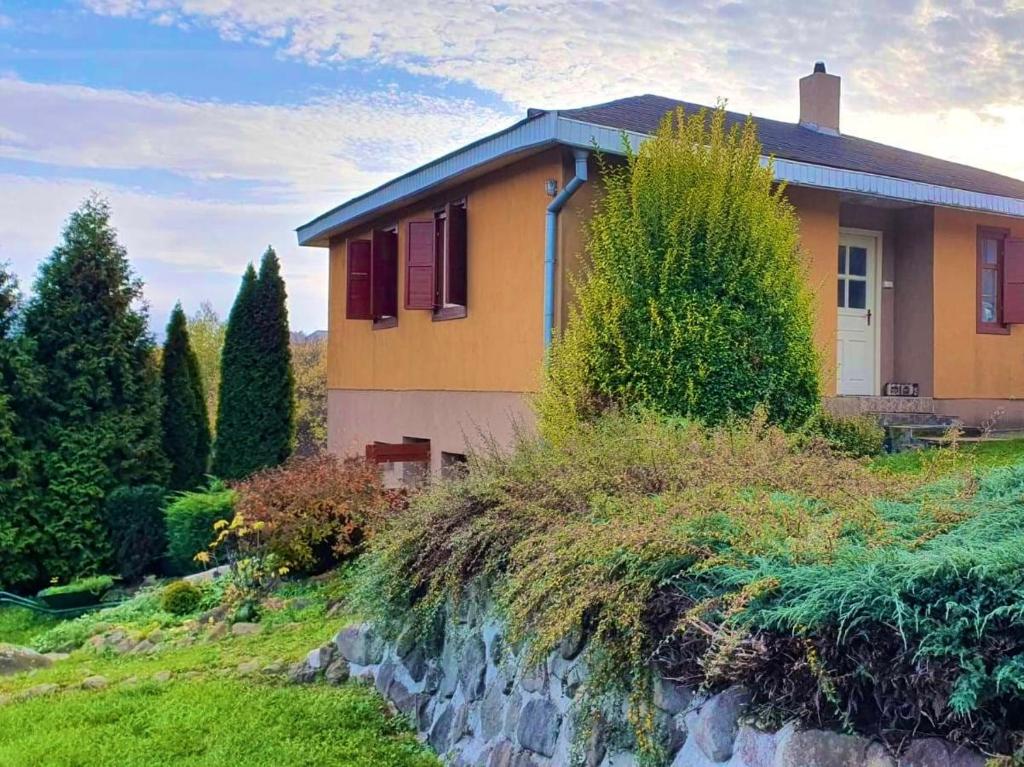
(550, 128)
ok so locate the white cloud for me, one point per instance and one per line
(923, 55)
(322, 149)
(183, 249)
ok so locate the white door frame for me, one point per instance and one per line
(876, 308)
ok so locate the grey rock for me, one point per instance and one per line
(538, 727)
(497, 650)
(754, 748)
(416, 664)
(301, 673)
(449, 670)
(142, 648)
(15, 660)
(162, 676)
(878, 755)
(672, 730)
(473, 668)
(217, 631)
(460, 724)
(718, 724)
(274, 667)
(818, 748)
(961, 756)
(535, 678)
(501, 755)
(927, 752)
(95, 682)
(432, 680)
(385, 675)
(439, 732)
(512, 712)
(248, 667)
(360, 645)
(55, 657)
(492, 712)
(38, 691)
(206, 576)
(670, 696)
(321, 657)
(124, 646)
(337, 673)
(404, 701)
(244, 629)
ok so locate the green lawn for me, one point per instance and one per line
(207, 723)
(208, 713)
(982, 455)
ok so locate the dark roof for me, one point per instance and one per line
(642, 114)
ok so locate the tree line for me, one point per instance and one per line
(89, 403)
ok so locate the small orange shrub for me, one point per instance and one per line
(317, 506)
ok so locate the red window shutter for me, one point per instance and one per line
(1013, 282)
(457, 287)
(384, 275)
(358, 281)
(419, 266)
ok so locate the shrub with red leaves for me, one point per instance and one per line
(317, 509)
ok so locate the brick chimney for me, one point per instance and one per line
(819, 101)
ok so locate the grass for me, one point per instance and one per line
(208, 723)
(19, 626)
(207, 714)
(983, 455)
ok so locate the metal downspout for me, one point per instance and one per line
(551, 240)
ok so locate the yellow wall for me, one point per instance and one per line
(499, 345)
(968, 363)
(819, 237)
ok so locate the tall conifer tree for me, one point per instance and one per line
(186, 436)
(237, 441)
(96, 424)
(256, 412)
(277, 379)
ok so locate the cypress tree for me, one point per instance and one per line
(96, 424)
(186, 435)
(256, 413)
(236, 442)
(277, 380)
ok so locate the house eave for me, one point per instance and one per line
(549, 128)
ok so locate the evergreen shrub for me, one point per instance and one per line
(138, 534)
(694, 300)
(190, 518)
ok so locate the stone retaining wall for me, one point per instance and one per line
(472, 698)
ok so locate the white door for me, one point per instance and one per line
(856, 339)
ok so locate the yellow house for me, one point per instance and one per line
(446, 283)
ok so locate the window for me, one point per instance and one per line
(372, 285)
(453, 465)
(991, 262)
(436, 263)
(384, 278)
(853, 277)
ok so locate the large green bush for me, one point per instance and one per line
(190, 519)
(731, 555)
(138, 534)
(694, 301)
(180, 598)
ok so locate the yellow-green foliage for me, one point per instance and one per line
(736, 554)
(695, 301)
(180, 598)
